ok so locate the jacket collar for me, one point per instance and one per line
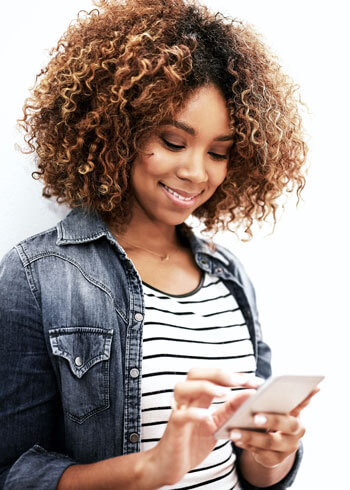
(202, 247)
(83, 225)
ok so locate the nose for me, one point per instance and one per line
(193, 168)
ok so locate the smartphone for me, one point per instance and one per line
(279, 394)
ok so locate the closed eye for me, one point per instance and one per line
(217, 156)
(171, 145)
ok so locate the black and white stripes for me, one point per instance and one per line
(204, 328)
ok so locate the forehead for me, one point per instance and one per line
(206, 111)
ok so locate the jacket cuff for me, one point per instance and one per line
(37, 468)
(281, 485)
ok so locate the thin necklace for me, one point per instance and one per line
(162, 257)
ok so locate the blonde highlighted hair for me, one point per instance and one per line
(126, 66)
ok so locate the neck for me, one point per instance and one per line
(155, 236)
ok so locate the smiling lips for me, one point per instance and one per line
(180, 197)
(181, 194)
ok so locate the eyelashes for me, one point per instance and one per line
(217, 156)
(173, 147)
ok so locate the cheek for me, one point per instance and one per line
(154, 164)
(217, 175)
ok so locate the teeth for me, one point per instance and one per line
(182, 198)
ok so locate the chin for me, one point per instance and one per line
(172, 220)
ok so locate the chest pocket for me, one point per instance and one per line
(83, 362)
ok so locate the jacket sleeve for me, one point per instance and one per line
(29, 398)
(263, 370)
(263, 354)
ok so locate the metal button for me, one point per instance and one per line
(139, 317)
(134, 437)
(78, 361)
(218, 270)
(204, 261)
(134, 373)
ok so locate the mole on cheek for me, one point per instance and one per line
(152, 161)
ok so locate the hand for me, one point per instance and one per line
(279, 439)
(189, 435)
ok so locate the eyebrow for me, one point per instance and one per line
(192, 131)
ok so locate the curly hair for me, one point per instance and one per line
(126, 66)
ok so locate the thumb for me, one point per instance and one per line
(296, 411)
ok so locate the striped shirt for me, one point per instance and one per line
(204, 328)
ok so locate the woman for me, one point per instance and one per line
(122, 331)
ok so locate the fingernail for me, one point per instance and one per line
(235, 435)
(260, 419)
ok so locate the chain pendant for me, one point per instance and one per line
(166, 257)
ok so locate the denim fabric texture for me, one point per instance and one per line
(71, 319)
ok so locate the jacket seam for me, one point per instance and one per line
(90, 279)
(41, 233)
(29, 275)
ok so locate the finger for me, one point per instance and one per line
(287, 424)
(297, 410)
(224, 378)
(227, 409)
(200, 392)
(270, 441)
(191, 414)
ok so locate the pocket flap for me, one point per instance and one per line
(83, 347)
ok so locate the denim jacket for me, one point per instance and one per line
(71, 318)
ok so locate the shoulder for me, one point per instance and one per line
(228, 258)
(235, 266)
(217, 254)
(15, 275)
(232, 264)
(233, 260)
(31, 247)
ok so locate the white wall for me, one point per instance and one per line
(301, 271)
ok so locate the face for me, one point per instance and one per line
(184, 161)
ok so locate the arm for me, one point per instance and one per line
(271, 459)
(136, 471)
(188, 439)
(31, 444)
(28, 393)
(30, 407)
(250, 471)
(264, 477)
